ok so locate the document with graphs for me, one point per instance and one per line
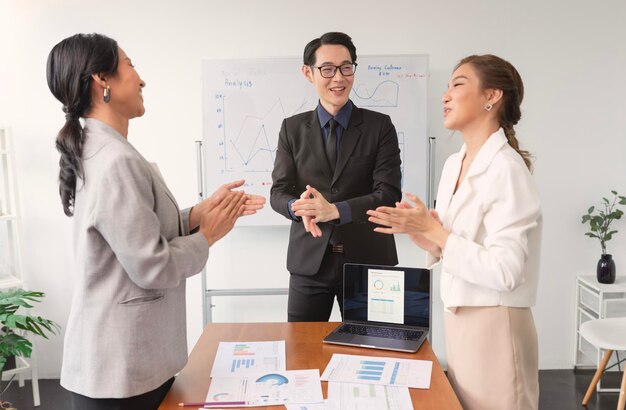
(379, 370)
(240, 358)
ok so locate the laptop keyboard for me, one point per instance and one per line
(386, 332)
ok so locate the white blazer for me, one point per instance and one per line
(491, 257)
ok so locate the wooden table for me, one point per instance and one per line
(305, 350)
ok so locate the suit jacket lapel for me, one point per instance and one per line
(480, 165)
(158, 177)
(349, 140)
(316, 142)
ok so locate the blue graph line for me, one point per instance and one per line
(380, 102)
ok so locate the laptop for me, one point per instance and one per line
(384, 307)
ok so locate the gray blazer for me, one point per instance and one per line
(126, 333)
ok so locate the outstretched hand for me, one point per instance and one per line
(422, 225)
(252, 203)
(217, 221)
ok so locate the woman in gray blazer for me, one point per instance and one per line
(125, 338)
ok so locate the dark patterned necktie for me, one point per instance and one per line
(331, 145)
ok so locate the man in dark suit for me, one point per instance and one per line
(332, 165)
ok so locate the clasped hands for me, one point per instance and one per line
(217, 214)
(421, 224)
(313, 208)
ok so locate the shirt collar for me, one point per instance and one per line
(342, 117)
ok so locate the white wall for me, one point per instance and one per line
(570, 53)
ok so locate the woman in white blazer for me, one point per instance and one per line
(126, 337)
(486, 233)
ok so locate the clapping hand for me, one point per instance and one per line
(422, 225)
(309, 225)
(252, 202)
(217, 221)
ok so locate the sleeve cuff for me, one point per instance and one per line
(293, 216)
(345, 213)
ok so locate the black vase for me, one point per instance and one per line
(606, 269)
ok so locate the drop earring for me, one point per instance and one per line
(488, 107)
(107, 94)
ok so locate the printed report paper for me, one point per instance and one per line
(356, 396)
(267, 389)
(240, 358)
(379, 370)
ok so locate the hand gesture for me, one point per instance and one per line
(418, 238)
(314, 204)
(216, 222)
(252, 203)
(309, 225)
(424, 225)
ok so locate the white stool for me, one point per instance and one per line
(609, 335)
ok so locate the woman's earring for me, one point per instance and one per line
(107, 94)
(488, 107)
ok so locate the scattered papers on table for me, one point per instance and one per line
(240, 358)
(379, 370)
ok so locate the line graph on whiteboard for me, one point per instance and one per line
(245, 102)
(250, 146)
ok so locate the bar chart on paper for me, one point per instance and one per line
(370, 370)
(234, 358)
(381, 370)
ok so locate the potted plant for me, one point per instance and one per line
(599, 221)
(14, 344)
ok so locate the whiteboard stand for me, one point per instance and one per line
(432, 141)
(200, 169)
(208, 294)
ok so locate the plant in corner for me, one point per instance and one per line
(14, 344)
(599, 221)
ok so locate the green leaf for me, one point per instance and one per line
(590, 210)
(614, 192)
(10, 302)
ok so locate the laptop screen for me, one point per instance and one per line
(386, 294)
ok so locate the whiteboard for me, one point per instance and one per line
(246, 100)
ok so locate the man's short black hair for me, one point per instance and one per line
(341, 39)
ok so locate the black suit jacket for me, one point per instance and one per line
(367, 175)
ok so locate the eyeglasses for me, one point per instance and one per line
(329, 71)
